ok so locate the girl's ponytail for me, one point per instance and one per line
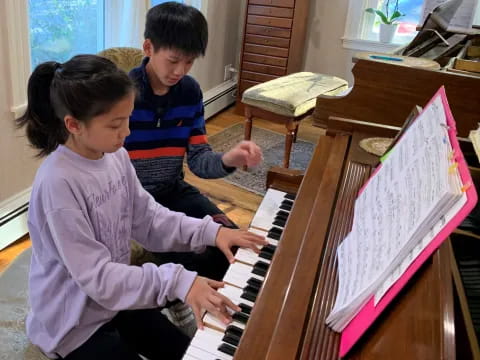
(44, 129)
(83, 87)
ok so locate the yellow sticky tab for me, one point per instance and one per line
(452, 168)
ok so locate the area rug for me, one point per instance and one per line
(272, 145)
(13, 310)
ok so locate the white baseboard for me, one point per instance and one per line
(218, 98)
(13, 218)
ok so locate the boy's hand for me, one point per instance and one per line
(244, 153)
(226, 238)
(204, 296)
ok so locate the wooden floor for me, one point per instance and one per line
(239, 205)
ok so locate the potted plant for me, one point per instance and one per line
(388, 19)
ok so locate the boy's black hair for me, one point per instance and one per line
(173, 25)
(83, 87)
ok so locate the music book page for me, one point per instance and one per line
(402, 202)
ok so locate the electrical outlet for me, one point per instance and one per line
(227, 72)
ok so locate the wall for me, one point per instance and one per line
(223, 44)
(17, 162)
(324, 52)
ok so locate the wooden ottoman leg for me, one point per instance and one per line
(290, 125)
(296, 132)
(248, 127)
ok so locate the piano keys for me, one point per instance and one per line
(243, 280)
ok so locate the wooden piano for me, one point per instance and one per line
(428, 320)
(288, 320)
(385, 92)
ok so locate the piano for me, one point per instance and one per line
(385, 92)
(284, 310)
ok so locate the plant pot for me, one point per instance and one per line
(387, 32)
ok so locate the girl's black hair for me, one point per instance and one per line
(173, 25)
(83, 87)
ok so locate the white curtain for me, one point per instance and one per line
(125, 22)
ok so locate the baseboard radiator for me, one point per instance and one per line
(218, 98)
(13, 218)
(13, 211)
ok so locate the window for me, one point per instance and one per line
(60, 29)
(407, 24)
(361, 29)
(156, 2)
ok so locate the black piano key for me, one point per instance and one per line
(286, 207)
(276, 230)
(248, 295)
(227, 349)
(279, 222)
(255, 283)
(246, 309)
(234, 330)
(269, 248)
(240, 317)
(290, 196)
(287, 202)
(274, 236)
(283, 213)
(231, 339)
(260, 268)
(251, 289)
(265, 255)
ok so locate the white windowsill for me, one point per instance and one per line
(369, 45)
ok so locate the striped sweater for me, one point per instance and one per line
(164, 129)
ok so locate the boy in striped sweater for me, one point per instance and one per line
(167, 124)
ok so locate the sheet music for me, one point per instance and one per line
(463, 18)
(395, 211)
(412, 255)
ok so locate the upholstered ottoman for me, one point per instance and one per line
(288, 99)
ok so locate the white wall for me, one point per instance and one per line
(324, 52)
(223, 44)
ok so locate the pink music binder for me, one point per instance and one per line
(367, 315)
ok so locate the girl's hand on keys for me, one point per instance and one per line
(203, 295)
(226, 238)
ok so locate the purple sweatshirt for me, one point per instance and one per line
(82, 216)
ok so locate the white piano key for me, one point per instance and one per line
(248, 256)
(234, 294)
(264, 234)
(205, 343)
(268, 208)
(238, 274)
(188, 356)
(213, 321)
